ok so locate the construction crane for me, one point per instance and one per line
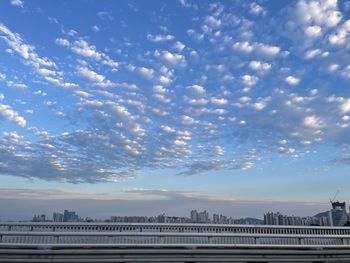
(336, 194)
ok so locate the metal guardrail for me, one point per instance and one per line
(168, 227)
(169, 239)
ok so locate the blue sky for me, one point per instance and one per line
(218, 102)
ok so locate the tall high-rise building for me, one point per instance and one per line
(216, 219)
(203, 217)
(194, 216)
(200, 217)
(70, 216)
(338, 215)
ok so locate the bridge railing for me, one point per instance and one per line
(170, 239)
(173, 228)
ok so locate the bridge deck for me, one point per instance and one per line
(197, 255)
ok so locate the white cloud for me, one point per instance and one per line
(293, 81)
(17, 3)
(244, 47)
(187, 120)
(172, 59)
(2, 76)
(59, 82)
(95, 28)
(105, 15)
(249, 80)
(164, 80)
(161, 98)
(346, 72)
(267, 50)
(319, 12)
(259, 48)
(283, 142)
(24, 50)
(259, 66)
(62, 42)
(259, 105)
(91, 75)
(219, 150)
(12, 84)
(257, 9)
(46, 72)
(159, 89)
(197, 89)
(313, 31)
(160, 38)
(246, 165)
(313, 122)
(81, 47)
(212, 21)
(196, 102)
(121, 111)
(168, 129)
(341, 36)
(180, 143)
(146, 72)
(312, 53)
(345, 106)
(6, 112)
(27, 52)
(219, 101)
(179, 46)
(333, 67)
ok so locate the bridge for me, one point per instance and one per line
(161, 242)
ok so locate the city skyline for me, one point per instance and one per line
(237, 107)
(337, 215)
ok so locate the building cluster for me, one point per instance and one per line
(39, 218)
(200, 217)
(66, 216)
(196, 217)
(280, 219)
(152, 219)
(337, 216)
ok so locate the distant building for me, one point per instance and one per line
(271, 218)
(131, 219)
(216, 219)
(176, 219)
(324, 221)
(39, 218)
(200, 217)
(57, 217)
(194, 216)
(161, 218)
(70, 216)
(203, 217)
(338, 215)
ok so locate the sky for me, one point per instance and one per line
(144, 107)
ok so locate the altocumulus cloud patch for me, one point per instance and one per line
(105, 98)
